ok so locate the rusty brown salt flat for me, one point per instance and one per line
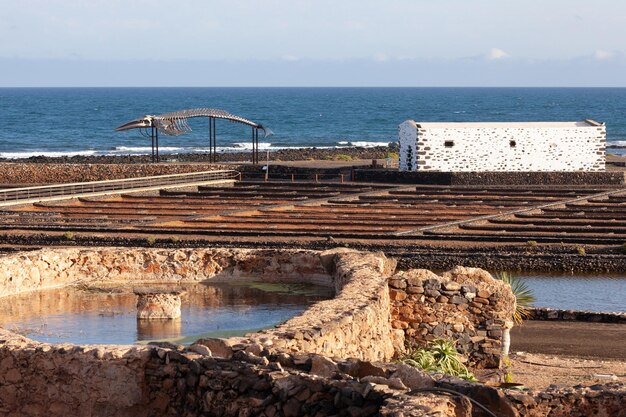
(339, 210)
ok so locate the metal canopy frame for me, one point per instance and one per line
(175, 124)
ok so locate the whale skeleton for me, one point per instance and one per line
(176, 124)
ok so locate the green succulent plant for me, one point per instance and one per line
(440, 355)
(524, 297)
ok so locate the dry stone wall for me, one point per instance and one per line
(29, 174)
(355, 323)
(48, 268)
(275, 372)
(38, 379)
(545, 313)
(465, 304)
(579, 401)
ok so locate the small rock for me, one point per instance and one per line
(483, 294)
(292, 408)
(397, 295)
(415, 290)
(394, 383)
(323, 366)
(456, 299)
(412, 377)
(276, 366)
(451, 286)
(218, 347)
(254, 348)
(200, 349)
(458, 327)
(397, 283)
(432, 293)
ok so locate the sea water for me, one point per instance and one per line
(81, 121)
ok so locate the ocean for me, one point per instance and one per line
(80, 121)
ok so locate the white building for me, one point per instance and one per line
(481, 147)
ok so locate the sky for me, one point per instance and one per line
(313, 43)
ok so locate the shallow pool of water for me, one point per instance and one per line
(107, 315)
(602, 293)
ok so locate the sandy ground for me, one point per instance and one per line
(538, 371)
(580, 339)
(568, 353)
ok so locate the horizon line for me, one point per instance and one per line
(316, 86)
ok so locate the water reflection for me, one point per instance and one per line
(104, 314)
(159, 329)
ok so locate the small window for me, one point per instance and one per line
(512, 144)
(448, 143)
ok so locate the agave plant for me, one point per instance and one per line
(524, 297)
(439, 356)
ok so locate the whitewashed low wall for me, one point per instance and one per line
(483, 147)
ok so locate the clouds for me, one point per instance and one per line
(496, 54)
(392, 35)
(602, 55)
(319, 30)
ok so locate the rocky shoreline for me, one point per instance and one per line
(289, 154)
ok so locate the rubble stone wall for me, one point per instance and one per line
(276, 372)
(554, 401)
(465, 304)
(545, 313)
(30, 174)
(39, 379)
(48, 268)
(356, 323)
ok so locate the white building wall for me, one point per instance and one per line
(502, 147)
(408, 146)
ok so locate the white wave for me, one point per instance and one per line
(174, 150)
(368, 144)
(248, 145)
(616, 143)
(29, 154)
(146, 148)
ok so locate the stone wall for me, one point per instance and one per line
(489, 178)
(465, 304)
(579, 401)
(551, 146)
(355, 323)
(275, 372)
(29, 174)
(48, 268)
(545, 313)
(38, 379)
